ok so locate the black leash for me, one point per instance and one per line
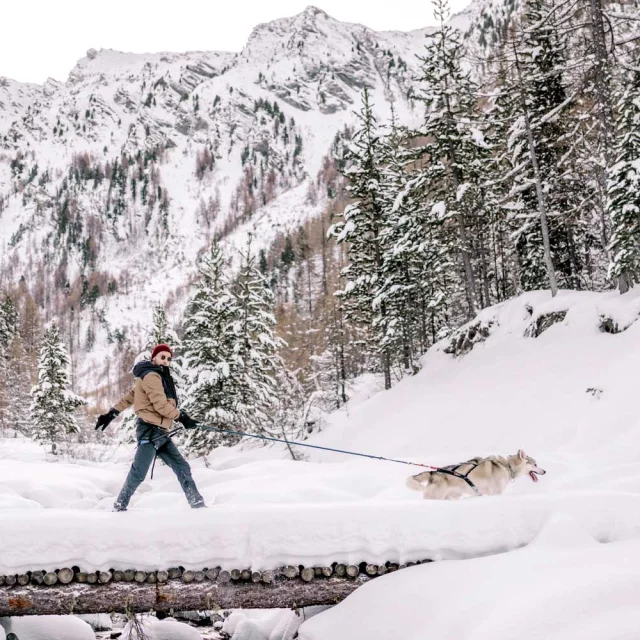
(452, 471)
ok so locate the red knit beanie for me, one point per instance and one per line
(159, 348)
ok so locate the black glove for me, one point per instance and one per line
(189, 423)
(105, 419)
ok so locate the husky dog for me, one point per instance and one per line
(484, 477)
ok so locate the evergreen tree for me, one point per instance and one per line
(208, 353)
(404, 242)
(288, 256)
(255, 360)
(9, 322)
(545, 187)
(623, 189)
(502, 211)
(53, 404)
(453, 147)
(361, 228)
(15, 379)
(161, 333)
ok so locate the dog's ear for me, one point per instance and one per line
(521, 454)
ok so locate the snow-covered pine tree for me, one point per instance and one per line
(623, 189)
(361, 226)
(499, 172)
(549, 235)
(208, 353)
(53, 403)
(161, 332)
(452, 148)
(397, 330)
(8, 329)
(15, 372)
(414, 257)
(9, 322)
(17, 383)
(256, 347)
(596, 58)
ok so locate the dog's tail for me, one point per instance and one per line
(419, 481)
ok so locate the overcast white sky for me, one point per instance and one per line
(45, 38)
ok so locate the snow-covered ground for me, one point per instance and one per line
(568, 547)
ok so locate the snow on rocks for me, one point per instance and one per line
(154, 629)
(99, 621)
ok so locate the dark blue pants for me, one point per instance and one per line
(169, 454)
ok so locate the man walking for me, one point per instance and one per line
(155, 402)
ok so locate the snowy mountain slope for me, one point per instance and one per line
(146, 158)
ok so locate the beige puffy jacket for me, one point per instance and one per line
(150, 402)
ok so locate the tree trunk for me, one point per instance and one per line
(604, 111)
(542, 208)
(133, 597)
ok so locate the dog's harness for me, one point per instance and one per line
(452, 470)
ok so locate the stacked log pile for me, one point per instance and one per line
(71, 590)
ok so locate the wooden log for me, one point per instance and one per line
(162, 576)
(268, 577)
(118, 576)
(37, 577)
(353, 571)
(199, 576)
(382, 569)
(1, 580)
(392, 566)
(327, 572)
(224, 577)
(92, 578)
(188, 576)
(129, 575)
(174, 573)
(291, 571)
(81, 577)
(23, 579)
(152, 578)
(245, 574)
(307, 574)
(140, 576)
(235, 574)
(317, 571)
(103, 577)
(50, 578)
(212, 574)
(65, 576)
(256, 576)
(11, 580)
(341, 570)
(134, 597)
(371, 569)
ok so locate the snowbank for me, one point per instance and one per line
(47, 628)
(564, 586)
